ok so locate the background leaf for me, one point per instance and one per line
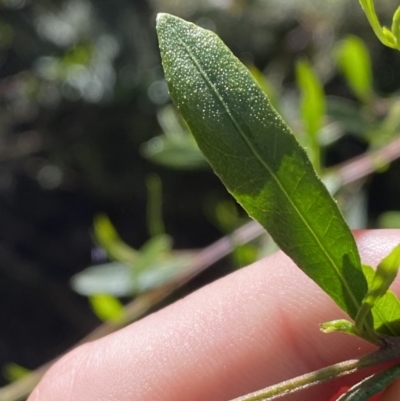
(312, 107)
(354, 61)
(258, 159)
(107, 307)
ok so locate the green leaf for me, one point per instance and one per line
(383, 34)
(355, 63)
(341, 325)
(154, 249)
(265, 85)
(374, 384)
(106, 307)
(389, 219)
(312, 106)
(175, 148)
(258, 159)
(107, 237)
(14, 372)
(348, 115)
(396, 27)
(386, 309)
(384, 276)
(155, 224)
(313, 97)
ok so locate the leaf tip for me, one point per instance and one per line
(164, 18)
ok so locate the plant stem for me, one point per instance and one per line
(321, 375)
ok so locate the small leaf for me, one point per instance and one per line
(386, 310)
(108, 238)
(374, 384)
(14, 372)
(384, 276)
(154, 249)
(106, 307)
(355, 63)
(341, 325)
(344, 326)
(258, 159)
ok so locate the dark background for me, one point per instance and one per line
(80, 88)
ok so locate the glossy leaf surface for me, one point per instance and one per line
(258, 159)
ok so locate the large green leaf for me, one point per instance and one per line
(258, 159)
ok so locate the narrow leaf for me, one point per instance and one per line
(355, 63)
(374, 384)
(258, 159)
(383, 34)
(384, 276)
(396, 27)
(107, 237)
(312, 106)
(312, 97)
(341, 325)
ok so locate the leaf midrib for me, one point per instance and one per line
(259, 158)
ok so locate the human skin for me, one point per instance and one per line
(253, 328)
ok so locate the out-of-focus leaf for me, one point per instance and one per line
(312, 98)
(107, 237)
(180, 153)
(14, 372)
(163, 271)
(106, 307)
(258, 159)
(354, 61)
(152, 251)
(110, 278)
(265, 85)
(373, 384)
(154, 206)
(176, 148)
(119, 280)
(396, 27)
(348, 115)
(389, 219)
(246, 254)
